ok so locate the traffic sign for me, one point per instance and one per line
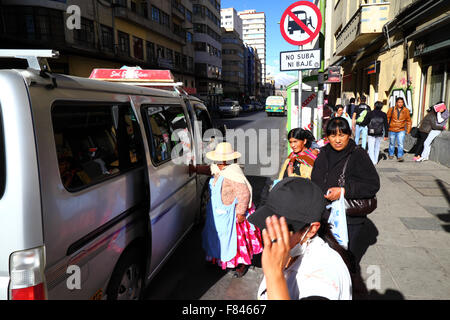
(300, 23)
(299, 60)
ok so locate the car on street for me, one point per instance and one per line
(229, 108)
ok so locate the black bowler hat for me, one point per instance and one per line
(299, 200)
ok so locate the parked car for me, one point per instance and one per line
(229, 107)
(259, 106)
(92, 179)
(249, 107)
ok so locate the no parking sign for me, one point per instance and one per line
(300, 23)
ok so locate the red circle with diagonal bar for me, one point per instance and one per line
(301, 25)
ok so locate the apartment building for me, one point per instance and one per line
(153, 34)
(208, 50)
(230, 20)
(254, 35)
(249, 72)
(233, 68)
(386, 50)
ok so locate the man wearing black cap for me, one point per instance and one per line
(301, 258)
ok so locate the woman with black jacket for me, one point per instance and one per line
(377, 124)
(361, 178)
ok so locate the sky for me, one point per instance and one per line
(274, 40)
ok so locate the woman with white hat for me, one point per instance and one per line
(228, 238)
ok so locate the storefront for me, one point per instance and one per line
(432, 47)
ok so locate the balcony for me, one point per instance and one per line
(365, 25)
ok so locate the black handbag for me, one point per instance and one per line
(414, 132)
(356, 207)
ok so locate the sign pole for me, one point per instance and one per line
(300, 80)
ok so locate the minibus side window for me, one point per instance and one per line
(168, 131)
(203, 117)
(95, 142)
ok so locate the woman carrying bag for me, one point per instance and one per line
(342, 166)
(228, 239)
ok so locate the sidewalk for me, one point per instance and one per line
(412, 221)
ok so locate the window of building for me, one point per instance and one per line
(189, 37)
(138, 48)
(124, 43)
(200, 46)
(85, 35)
(95, 142)
(160, 52)
(169, 54)
(188, 15)
(144, 8)
(150, 50)
(168, 133)
(177, 59)
(155, 14)
(165, 19)
(107, 40)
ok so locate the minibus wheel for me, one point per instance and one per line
(127, 280)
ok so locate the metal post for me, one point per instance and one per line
(300, 80)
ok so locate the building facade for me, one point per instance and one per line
(249, 73)
(230, 20)
(153, 34)
(390, 49)
(208, 50)
(233, 68)
(254, 35)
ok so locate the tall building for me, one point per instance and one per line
(233, 69)
(208, 50)
(249, 63)
(230, 20)
(254, 34)
(152, 34)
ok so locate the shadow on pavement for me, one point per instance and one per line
(366, 237)
(445, 217)
(187, 275)
(389, 294)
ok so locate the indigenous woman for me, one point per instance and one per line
(228, 238)
(301, 160)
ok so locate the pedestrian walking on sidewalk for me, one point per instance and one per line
(301, 258)
(430, 127)
(301, 160)
(359, 115)
(361, 177)
(228, 238)
(400, 124)
(339, 112)
(377, 125)
(351, 108)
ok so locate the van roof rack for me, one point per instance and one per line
(37, 59)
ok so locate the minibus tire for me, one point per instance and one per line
(129, 262)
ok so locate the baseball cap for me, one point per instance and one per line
(299, 200)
